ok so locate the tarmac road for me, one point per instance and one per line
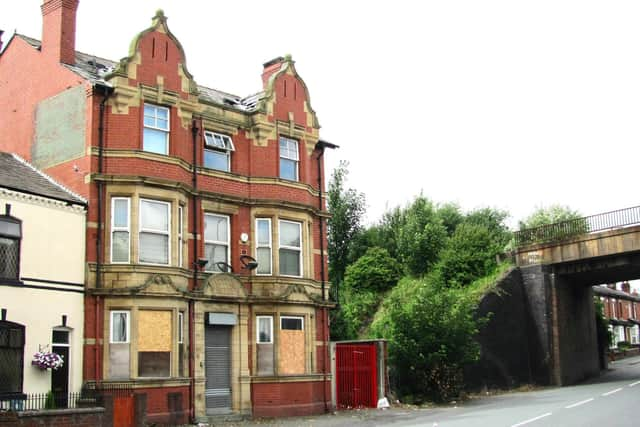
(613, 399)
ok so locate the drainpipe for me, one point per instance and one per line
(194, 214)
(106, 92)
(321, 145)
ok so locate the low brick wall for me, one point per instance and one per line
(80, 417)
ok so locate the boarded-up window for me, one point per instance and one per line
(264, 340)
(291, 352)
(154, 343)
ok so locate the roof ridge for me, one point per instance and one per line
(48, 178)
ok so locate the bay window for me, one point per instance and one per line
(290, 248)
(263, 245)
(154, 235)
(120, 229)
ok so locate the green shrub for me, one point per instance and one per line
(50, 402)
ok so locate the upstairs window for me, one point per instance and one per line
(216, 241)
(290, 248)
(154, 232)
(289, 158)
(10, 235)
(217, 151)
(263, 245)
(120, 229)
(156, 129)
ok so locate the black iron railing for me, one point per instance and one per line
(41, 401)
(575, 227)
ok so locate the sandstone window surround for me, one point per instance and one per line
(146, 342)
(282, 351)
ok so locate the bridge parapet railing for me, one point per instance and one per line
(575, 227)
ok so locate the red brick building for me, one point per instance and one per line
(622, 309)
(205, 276)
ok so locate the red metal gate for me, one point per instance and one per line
(356, 376)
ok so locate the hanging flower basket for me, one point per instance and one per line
(47, 360)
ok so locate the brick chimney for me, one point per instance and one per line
(625, 287)
(59, 30)
(270, 68)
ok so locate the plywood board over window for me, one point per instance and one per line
(154, 343)
(291, 355)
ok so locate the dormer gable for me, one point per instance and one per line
(286, 95)
(156, 59)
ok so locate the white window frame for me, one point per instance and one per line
(301, 318)
(181, 327)
(228, 147)
(262, 246)
(180, 234)
(154, 231)
(299, 249)
(295, 159)
(115, 229)
(270, 318)
(155, 117)
(227, 243)
(127, 314)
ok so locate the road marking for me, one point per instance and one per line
(579, 403)
(532, 420)
(611, 392)
(633, 384)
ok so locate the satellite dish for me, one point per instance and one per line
(224, 267)
(248, 262)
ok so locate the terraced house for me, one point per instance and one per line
(205, 273)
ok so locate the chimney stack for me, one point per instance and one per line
(270, 68)
(625, 287)
(59, 30)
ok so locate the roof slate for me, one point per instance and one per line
(18, 175)
(93, 69)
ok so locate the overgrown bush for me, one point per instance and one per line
(430, 329)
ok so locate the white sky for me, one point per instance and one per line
(508, 104)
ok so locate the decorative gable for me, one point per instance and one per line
(157, 59)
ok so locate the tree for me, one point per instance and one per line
(421, 236)
(548, 215)
(561, 222)
(375, 271)
(347, 206)
(470, 254)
